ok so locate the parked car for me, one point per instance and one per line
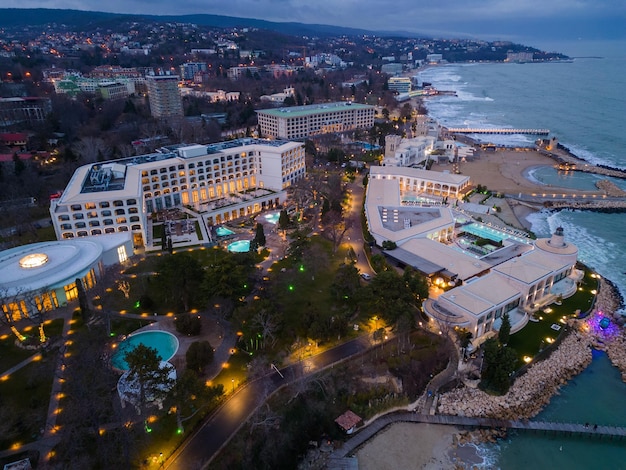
(366, 276)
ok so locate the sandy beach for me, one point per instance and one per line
(408, 446)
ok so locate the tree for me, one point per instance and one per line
(199, 355)
(260, 235)
(152, 378)
(335, 227)
(83, 302)
(283, 220)
(179, 280)
(505, 329)
(9, 300)
(188, 324)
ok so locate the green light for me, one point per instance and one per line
(301, 267)
(290, 287)
(111, 334)
(179, 431)
(137, 304)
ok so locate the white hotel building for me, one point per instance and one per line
(405, 206)
(221, 181)
(300, 122)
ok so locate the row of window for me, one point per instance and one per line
(96, 223)
(84, 233)
(103, 204)
(95, 214)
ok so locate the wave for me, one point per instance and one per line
(589, 232)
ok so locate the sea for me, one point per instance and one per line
(583, 104)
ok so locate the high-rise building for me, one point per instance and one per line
(164, 96)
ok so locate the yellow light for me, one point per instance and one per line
(3, 337)
(152, 419)
(225, 365)
(527, 359)
(4, 378)
(16, 446)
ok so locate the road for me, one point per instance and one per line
(200, 448)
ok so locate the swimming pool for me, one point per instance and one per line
(485, 232)
(222, 231)
(273, 217)
(240, 246)
(165, 343)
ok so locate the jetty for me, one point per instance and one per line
(474, 130)
(547, 427)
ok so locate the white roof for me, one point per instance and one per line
(434, 176)
(65, 260)
(463, 265)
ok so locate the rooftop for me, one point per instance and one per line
(299, 111)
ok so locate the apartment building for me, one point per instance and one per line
(164, 96)
(299, 122)
(221, 181)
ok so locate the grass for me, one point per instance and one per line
(535, 336)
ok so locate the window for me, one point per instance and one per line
(120, 212)
(106, 213)
(90, 205)
(120, 220)
(118, 203)
(76, 207)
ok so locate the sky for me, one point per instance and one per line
(516, 20)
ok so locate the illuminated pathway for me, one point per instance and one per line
(199, 449)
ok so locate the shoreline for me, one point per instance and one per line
(530, 393)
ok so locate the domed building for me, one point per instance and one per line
(42, 276)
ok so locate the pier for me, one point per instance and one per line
(472, 130)
(546, 427)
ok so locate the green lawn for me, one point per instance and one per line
(538, 335)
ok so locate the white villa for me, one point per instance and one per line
(516, 275)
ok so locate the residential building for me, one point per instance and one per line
(399, 84)
(189, 69)
(221, 181)
(164, 96)
(19, 111)
(300, 122)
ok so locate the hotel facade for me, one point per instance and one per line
(221, 181)
(300, 122)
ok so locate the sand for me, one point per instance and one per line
(409, 446)
(503, 170)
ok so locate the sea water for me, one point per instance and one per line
(583, 105)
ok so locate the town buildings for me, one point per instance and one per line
(300, 122)
(23, 111)
(220, 181)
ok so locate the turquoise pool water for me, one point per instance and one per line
(165, 343)
(223, 231)
(240, 246)
(273, 217)
(485, 232)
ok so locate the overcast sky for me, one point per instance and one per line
(518, 20)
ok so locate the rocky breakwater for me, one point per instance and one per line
(610, 188)
(531, 391)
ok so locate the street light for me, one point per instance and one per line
(233, 382)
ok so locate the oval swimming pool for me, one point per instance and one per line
(165, 343)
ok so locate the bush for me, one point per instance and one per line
(146, 302)
(199, 354)
(189, 325)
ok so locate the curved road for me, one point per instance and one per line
(199, 449)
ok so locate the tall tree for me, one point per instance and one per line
(153, 379)
(179, 279)
(260, 235)
(505, 329)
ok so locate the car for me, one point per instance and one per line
(366, 276)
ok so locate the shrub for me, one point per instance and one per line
(189, 325)
(199, 355)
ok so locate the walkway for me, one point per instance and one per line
(363, 436)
